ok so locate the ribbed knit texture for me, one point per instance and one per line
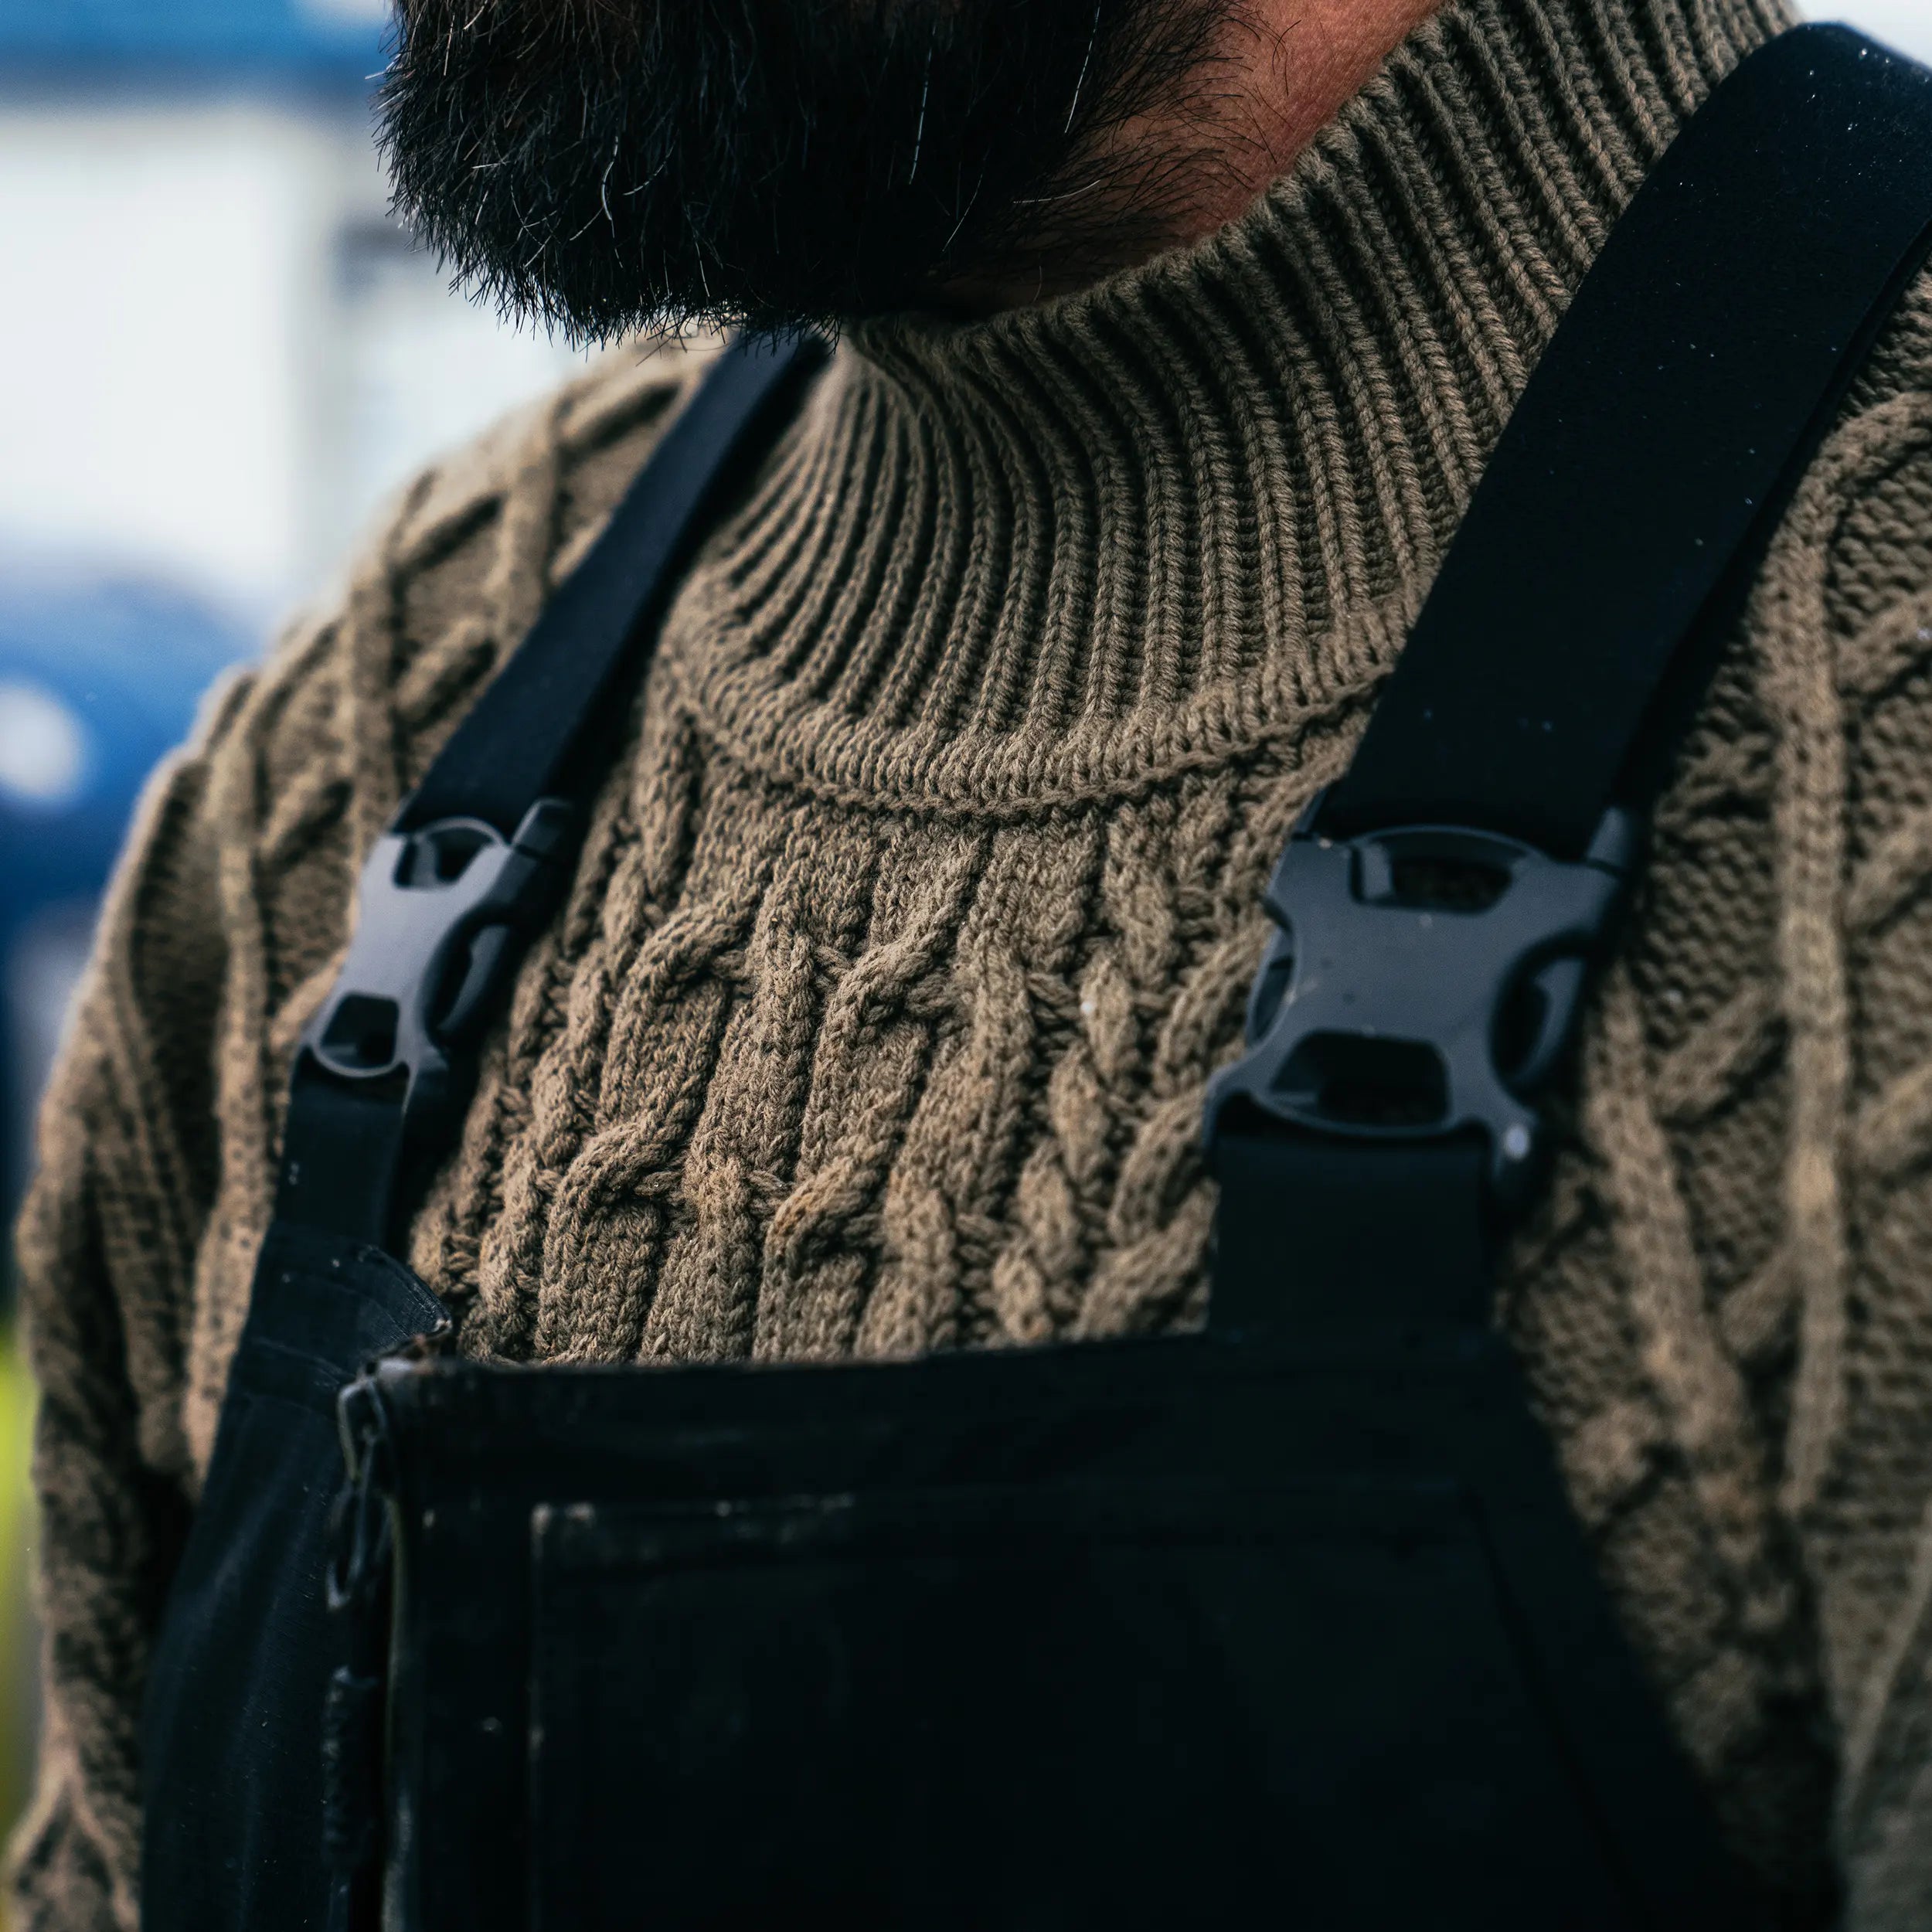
(923, 898)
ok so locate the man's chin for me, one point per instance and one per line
(756, 162)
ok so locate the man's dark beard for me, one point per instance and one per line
(610, 164)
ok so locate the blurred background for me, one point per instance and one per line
(218, 353)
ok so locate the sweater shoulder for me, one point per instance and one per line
(456, 566)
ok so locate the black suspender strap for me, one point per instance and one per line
(538, 731)
(1438, 906)
(480, 852)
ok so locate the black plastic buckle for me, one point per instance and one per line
(442, 915)
(1425, 982)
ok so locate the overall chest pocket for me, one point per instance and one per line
(1112, 1705)
(1111, 1636)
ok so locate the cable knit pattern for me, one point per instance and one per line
(923, 898)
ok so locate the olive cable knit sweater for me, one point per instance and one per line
(923, 898)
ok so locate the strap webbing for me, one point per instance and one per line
(1615, 531)
(1401, 1231)
(358, 1141)
(1603, 559)
(540, 730)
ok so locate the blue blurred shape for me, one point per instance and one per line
(98, 679)
(331, 40)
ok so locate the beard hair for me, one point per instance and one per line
(606, 166)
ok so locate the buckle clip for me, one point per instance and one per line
(1425, 982)
(441, 916)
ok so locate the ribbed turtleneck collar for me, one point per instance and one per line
(1070, 548)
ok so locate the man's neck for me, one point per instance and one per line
(1280, 71)
(1291, 65)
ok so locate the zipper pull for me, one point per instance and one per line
(359, 1534)
(352, 1708)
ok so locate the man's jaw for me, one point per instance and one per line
(610, 164)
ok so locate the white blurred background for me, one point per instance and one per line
(217, 353)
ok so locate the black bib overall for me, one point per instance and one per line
(1289, 1620)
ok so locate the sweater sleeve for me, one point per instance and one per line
(1858, 1467)
(106, 1246)
(1846, 613)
